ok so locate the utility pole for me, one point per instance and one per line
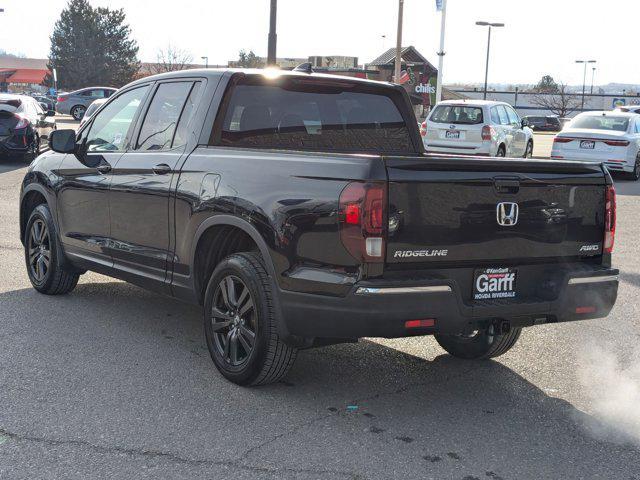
(396, 73)
(271, 49)
(593, 74)
(584, 78)
(486, 68)
(206, 61)
(441, 53)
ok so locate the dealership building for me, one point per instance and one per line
(19, 75)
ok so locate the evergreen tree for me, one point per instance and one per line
(92, 46)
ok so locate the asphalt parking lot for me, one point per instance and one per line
(115, 382)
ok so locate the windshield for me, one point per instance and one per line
(457, 114)
(601, 122)
(11, 105)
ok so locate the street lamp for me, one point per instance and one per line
(584, 78)
(593, 74)
(206, 61)
(486, 69)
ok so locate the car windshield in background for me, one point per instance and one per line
(457, 114)
(601, 122)
(10, 105)
(337, 117)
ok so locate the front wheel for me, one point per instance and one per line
(240, 323)
(479, 345)
(44, 257)
(528, 152)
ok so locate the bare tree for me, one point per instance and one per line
(561, 103)
(171, 59)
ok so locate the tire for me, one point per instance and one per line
(44, 257)
(240, 323)
(483, 345)
(34, 150)
(528, 152)
(502, 152)
(77, 112)
(635, 175)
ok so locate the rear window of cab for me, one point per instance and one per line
(460, 114)
(601, 122)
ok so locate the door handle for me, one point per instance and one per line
(104, 168)
(161, 169)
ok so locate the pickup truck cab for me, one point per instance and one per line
(301, 210)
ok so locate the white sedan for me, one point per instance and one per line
(612, 138)
(477, 127)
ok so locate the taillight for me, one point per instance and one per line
(609, 218)
(617, 143)
(362, 217)
(22, 122)
(562, 140)
(487, 132)
(423, 128)
(61, 99)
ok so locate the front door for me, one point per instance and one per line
(519, 137)
(141, 182)
(84, 179)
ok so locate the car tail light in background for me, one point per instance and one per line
(22, 122)
(362, 217)
(609, 218)
(617, 143)
(487, 132)
(562, 140)
(61, 99)
(423, 128)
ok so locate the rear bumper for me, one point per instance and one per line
(16, 146)
(376, 309)
(612, 162)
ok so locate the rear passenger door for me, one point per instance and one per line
(141, 184)
(506, 129)
(519, 137)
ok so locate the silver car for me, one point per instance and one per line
(76, 103)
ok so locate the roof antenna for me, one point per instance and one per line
(305, 67)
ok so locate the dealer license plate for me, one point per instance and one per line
(494, 283)
(452, 134)
(590, 144)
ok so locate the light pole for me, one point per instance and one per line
(441, 53)
(271, 48)
(593, 74)
(396, 72)
(486, 68)
(584, 78)
(206, 61)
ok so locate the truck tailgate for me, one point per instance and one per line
(445, 210)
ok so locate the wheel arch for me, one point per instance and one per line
(33, 196)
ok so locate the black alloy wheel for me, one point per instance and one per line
(233, 320)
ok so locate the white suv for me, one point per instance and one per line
(477, 127)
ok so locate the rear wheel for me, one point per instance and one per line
(479, 345)
(34, 149)
(77, 112)
(635, 174)
(240, 323)
(528, 152)
(44, 257)
(502, 152)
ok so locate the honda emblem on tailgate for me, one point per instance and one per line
(507, 214)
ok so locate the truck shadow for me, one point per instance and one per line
(424, 412)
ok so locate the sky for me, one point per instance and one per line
(540, 37)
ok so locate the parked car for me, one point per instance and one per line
(45, 101)
(23, 126)
(477, 127)
(628, 108)
(612, 138)
(76, 103)
(301, 210)
(550, 123)
(91, 109)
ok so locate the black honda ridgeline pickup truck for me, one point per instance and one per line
(301, 210)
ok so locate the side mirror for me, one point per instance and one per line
(63, 141)
(44, 106)
(524, 123)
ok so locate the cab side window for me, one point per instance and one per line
(162, 118)
(109, 128)
(502, 113)
(513, 116)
